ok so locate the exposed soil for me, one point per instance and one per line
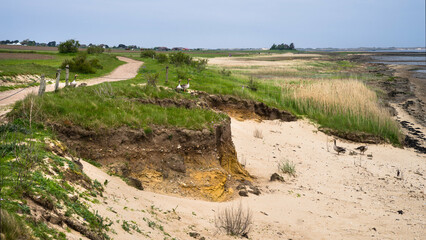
(201, 164)
(30, 48)
(247, 109)
(182, 162)
(236, 107)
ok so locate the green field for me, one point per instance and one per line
(10, 68)
(302, 87)
(352, 107)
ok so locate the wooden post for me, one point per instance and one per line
(58, 76)
(167, 74)
(42, 86)
(67, 74)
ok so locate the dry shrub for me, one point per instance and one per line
(235, 221)
(258, 133)
(11, 227)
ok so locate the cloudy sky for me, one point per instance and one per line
(218, 23)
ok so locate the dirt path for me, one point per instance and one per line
(123, 72)
(332, 197)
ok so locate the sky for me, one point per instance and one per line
(218, 23)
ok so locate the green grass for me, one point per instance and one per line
(282, 95)
(12, 227)
(24, 168)
(13, 67)
(287, 167)
(115, 105)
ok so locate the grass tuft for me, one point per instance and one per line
(287, 167)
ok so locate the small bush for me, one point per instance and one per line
(258, 133)
(94, 62)
(287, 167)
(182, 74)
(234, 221)
(148, 54)
(200, 64)
(225, 72)
(180, 58)
(253, 84)
(69, 46)
(152, 79)
(162, 58)
(93, 49)
(80, 64)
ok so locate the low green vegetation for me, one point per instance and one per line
(81, 64)
(29, 171)
(36, 64)
(346, 105)
(114, 105)
(328, 91)
(94, 49)
(12, 227)
(287, 167)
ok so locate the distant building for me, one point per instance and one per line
(161, 49)
(179, 49)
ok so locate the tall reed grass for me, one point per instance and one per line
(346, 105)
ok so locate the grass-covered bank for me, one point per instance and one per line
(112, 105)
(32, 176)
(346, 105)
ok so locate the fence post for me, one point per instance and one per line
(167, 74)
(58, 76)
(67, 74)
(42, 86)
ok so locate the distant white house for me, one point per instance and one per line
(15, 44)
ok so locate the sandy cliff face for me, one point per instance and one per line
(190, 163)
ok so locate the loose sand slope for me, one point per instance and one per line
(332, 197)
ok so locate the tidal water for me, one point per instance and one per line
(400, 60)
(416, 60)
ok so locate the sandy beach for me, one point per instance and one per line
(332, 197)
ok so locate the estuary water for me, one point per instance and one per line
(415, 60)
(401, 60)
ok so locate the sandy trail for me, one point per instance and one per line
(332, 197)
(123, 72)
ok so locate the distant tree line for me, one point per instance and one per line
(28, 42)
(9, 42)
(282, 46)
(71, 46)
